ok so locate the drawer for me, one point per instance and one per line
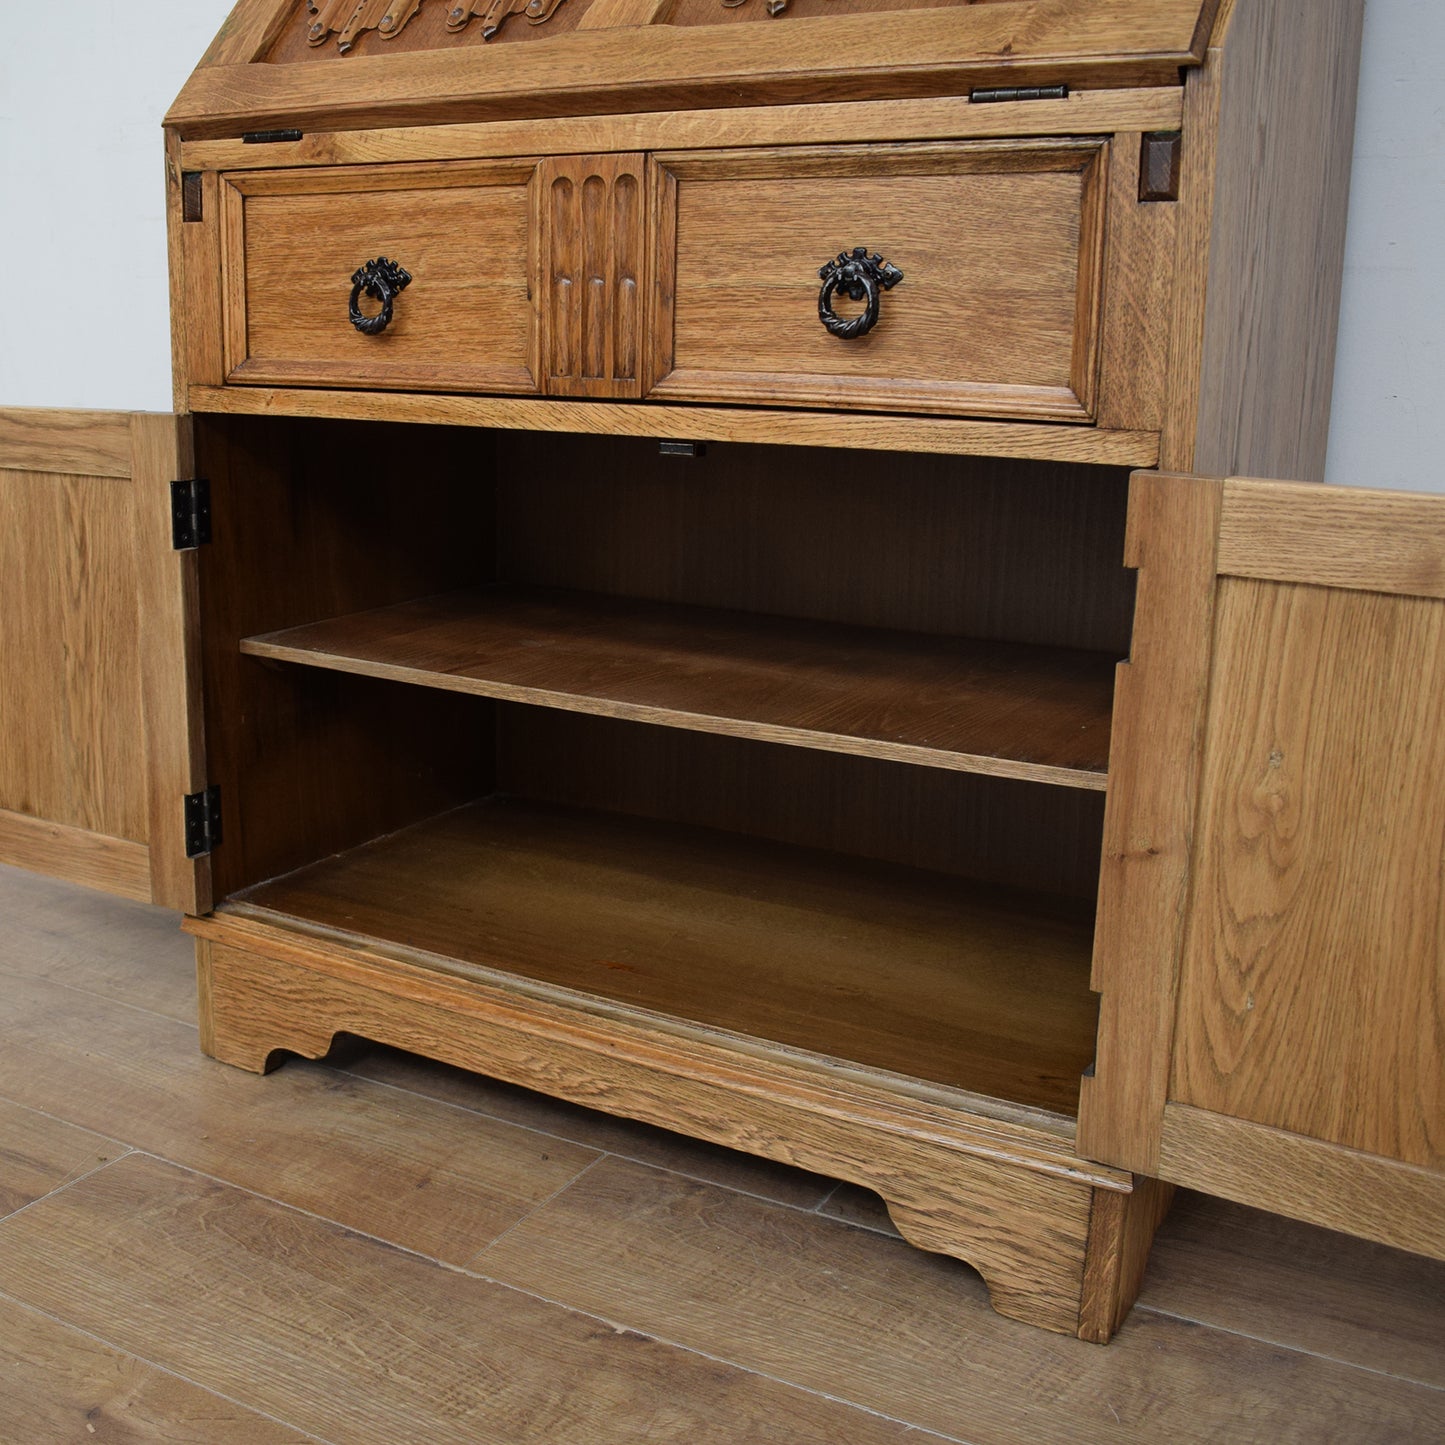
(997, 313)
(292, 242)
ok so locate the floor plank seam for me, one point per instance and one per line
(162, 1369)
(540, 1205)
(618, 1326)
(125, 1151)
(622, 1327)
(1141, 1307)
(104, 998)
(634, 1158)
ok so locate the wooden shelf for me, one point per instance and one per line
(918, 974)
(985, 707)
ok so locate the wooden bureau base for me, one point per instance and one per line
(1060, 1242)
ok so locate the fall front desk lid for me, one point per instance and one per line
(329, 64)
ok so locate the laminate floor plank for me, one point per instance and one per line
(133, 953)
(1294, 1284)
(865, 1318)
(57, 1383)
(340, 1335)
(418, 1173)
(629, 1138)
(38, 1154)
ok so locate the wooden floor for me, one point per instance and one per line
(394, 1252)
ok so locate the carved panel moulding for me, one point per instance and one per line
(348, 19)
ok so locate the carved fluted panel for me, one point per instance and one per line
(592, 222)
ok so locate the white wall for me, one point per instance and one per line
(82, 235)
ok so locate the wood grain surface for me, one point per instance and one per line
(1349, 537)
(977, 1180)
(662, 67)
(466, 322)
(1008, 551)
(1250, 1327)
(1084, 112)
(1310, 993)
(62, 1383)
(952, 703)
(118, 865)
(591, 228)
(1287, 74)
(73, 443)
(188, 1262)
(422, 1175)
(1160, 698)
(40, 1154)
(892, 970)
(128, 953)
(697, 423)
(1322, 1183)
(1300, 1287)
(741, 1277)
(995, 316)
(986, 829)
(72, 738)
(313, 763)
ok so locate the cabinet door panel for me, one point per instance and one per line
(1310, 995)
(98, 743)
(1289, 989)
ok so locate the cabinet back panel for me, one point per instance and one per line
(996, 830)
(312, 521)
(1009, 550)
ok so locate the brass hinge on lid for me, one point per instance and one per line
(1018, 92)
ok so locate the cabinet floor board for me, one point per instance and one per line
(886, 967)
(987, 707)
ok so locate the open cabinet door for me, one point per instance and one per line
(99, 719)
(1271, 941)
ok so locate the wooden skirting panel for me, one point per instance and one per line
(1009, 1198)
(1321, 1183)
(116, 865)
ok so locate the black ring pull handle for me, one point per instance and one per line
(383, 281)
(860, 277)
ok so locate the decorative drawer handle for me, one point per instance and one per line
(860, 277)
(383, 281)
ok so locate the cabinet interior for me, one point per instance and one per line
(803, 745)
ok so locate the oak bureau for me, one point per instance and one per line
(706, 594)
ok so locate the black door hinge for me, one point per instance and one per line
(1019, 92)
(203, 821)
(190, 513)
(268, 137)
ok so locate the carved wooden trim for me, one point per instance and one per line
(349, 19)
(592, 221)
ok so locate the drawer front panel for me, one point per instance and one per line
(464, 234)
(997, 314)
